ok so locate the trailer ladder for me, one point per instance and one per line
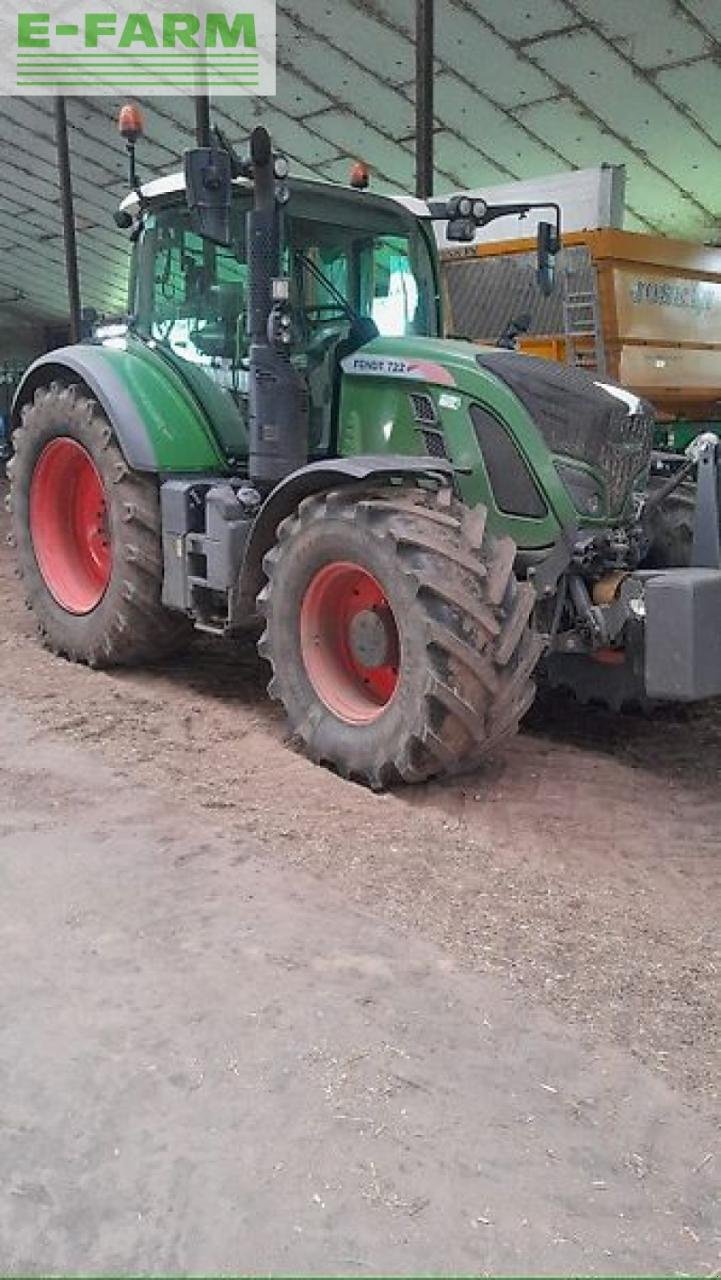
(582, 327)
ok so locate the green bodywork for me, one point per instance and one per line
(178, 427)
(193, 426)
(162, 422)
(375, 417)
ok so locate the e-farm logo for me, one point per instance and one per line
(149, 49)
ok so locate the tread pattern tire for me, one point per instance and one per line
(130, 624)
(468, 649)
(670, 528)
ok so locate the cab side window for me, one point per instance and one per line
(199, 299)
(389, 291)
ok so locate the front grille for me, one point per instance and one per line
(624, 450)
(581, 417)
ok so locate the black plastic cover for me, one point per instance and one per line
(579, 417)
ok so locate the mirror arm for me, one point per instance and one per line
(438, 210)
(522, 210)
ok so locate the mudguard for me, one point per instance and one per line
(317, 477)
(158, 423)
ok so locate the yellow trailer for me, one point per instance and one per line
(639, 309)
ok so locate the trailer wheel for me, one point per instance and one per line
(670, 527)
(399, 639)
(88, 537)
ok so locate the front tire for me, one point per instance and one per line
(670, 527)
(88, 536)
(398, 636)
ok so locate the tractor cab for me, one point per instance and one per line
(358, 266)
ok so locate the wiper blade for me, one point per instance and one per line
(322, 278)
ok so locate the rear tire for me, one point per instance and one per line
(94, 527)
(436, 601)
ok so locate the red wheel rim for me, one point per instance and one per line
(69, 525)
(349, 642)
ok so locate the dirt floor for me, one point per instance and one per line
(582, 872)
(212, 1063)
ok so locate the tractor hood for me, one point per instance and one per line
(551, 392)
(558, 415)
(435, 361)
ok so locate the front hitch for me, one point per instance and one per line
(704, 451)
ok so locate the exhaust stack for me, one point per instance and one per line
(278, 396)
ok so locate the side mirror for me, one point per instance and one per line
(548, 246)
(209, 191)
(461, 229)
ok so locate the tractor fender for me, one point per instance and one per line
(158, 424)
(318, 477)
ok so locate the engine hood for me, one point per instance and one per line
(435, 361)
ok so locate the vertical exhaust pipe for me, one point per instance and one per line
(278, 395)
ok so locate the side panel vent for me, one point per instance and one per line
(422, 407)
(435, 444)
(424, 413)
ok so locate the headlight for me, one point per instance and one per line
(585, 491)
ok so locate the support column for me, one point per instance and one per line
(424, 98)
(68, 215)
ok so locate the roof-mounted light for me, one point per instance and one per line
(360, 176)
(130, 122)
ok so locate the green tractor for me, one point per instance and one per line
(278, 437)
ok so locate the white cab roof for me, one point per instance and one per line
(174, 184)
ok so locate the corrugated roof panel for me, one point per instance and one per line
(30, 127)
(632, 107)
(662, 205)
(651, 32)
(354, 28)
(290, 136)
(354, 138)
(707, 13)
(488, 62)
(17, 208)
(698, 87)
(521, 19)
(38, 259)
(390, 111)
(464, 163)
(516, 151)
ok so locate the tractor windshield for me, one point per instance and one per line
(191, 296)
